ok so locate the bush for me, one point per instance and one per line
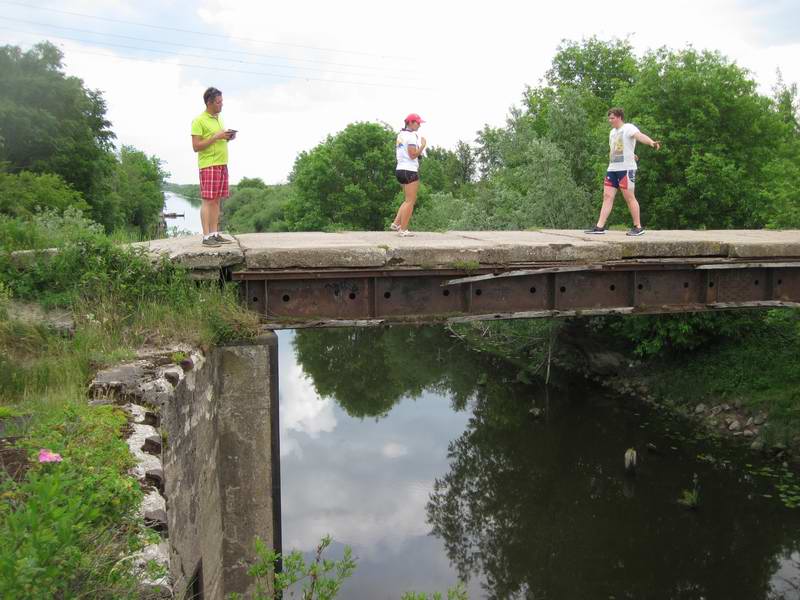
(48, 229)
(652, 335)
(26, 194)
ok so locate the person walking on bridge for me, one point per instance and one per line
(621, 172)
(210, 141)
(408, 148)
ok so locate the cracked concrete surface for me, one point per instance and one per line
(379, 249)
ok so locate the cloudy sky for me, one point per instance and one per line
(294, 72)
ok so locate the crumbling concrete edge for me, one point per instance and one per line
(141, 388)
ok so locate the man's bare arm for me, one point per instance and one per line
(645, 139)
(199, 143)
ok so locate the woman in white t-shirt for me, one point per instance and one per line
(408, 147)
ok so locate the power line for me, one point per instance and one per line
(169, 53)
(206, 34)
(220, 69)
(179, 45)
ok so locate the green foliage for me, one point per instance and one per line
(442, 170)
(254, 208)
(658, 334)
(755, 365)
(718, 136)
(690, 498)
(321, 579)
(251, 182)
(51, 123)
(346, 182)
(229, 322)
(67, 525)
(26, 193)
(459, 592)
(45, 230)
(134, 188)
(90, 266)
(601, 68)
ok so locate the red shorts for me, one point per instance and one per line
(214, 182)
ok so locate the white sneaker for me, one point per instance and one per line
(404, 233)
(394, 227)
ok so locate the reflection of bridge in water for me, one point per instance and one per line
(324, 279)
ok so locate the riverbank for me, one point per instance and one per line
(745, 387)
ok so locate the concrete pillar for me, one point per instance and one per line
(245, 391)
(222, 467)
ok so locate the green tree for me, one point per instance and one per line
(443, 170)
(719, 135)
(251, 182)
(50, 122)
(346, 182)
(599, 67)
(256, 209)
(782, 197)
(135, 186)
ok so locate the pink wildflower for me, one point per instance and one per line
(45, 456)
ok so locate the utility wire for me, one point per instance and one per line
(179, 45)
(220, 69)
(202, 56)
(203, 33)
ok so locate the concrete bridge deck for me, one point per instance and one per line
(336, 278)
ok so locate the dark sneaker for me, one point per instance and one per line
(596, 230)
(221, 240)
(211, 242)
(636, 231)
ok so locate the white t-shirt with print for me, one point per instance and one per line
(622, 145)
(405, 139)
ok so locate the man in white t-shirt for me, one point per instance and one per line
(621, 172)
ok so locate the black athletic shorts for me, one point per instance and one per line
(405, 177)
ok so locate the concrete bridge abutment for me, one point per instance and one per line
(222, 468)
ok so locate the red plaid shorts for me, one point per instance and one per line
(214, 182)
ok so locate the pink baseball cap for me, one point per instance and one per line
(414, 118)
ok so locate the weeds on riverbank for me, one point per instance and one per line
(69, 527)
(320, 579)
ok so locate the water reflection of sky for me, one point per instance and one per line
(364, 482)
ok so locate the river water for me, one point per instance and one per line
(190, 222)
(431, 463)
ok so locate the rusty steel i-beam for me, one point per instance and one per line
(329, 297)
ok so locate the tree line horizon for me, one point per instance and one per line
(731, 156)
